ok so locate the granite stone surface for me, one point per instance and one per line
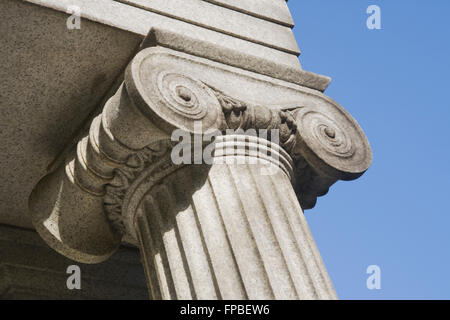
(272, 10)
(139, 21)
(122, 180)
(224, 20)
(87, 121)
(52, 78)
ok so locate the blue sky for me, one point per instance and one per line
(395, 83)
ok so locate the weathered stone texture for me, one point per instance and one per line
(91, 113)
(122, 171)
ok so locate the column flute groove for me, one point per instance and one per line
(293, 258)
(155, 288)
(232, 282)
(263, 235)
(313, 271)
(157, 257)
(208, 255)
(242, 242)
(305, 231)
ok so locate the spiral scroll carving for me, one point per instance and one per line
(173, 100)
(332, 141)
(183, 95)
(328, 134)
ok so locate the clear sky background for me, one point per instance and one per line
(395, 83)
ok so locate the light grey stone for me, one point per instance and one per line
(224, 20)
(272, 10)
(183, 43)
(140, 21)
(99, 135)
(51, 81)
(126, 156)
(228, 232)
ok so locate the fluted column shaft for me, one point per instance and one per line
(232, 230)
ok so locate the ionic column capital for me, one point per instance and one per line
(79, 208)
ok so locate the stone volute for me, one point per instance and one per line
(206, 230)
